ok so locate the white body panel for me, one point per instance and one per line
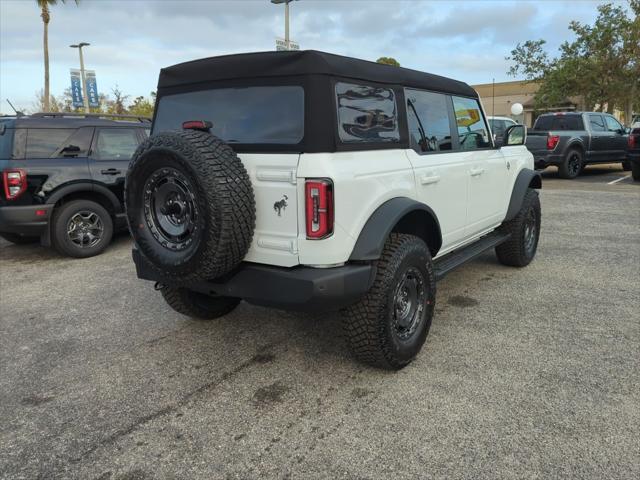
(469, 192)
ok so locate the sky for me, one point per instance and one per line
(132, 39)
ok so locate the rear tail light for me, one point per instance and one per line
(552, 141)
(319, 208)
(15, 183)
(632, 141)
(202, 125)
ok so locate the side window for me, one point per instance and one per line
(612, 124)
(45, 142)
(366, 114)
(115, 143)
(597, 124)
(472, 129)
(78, 144)
(428, 119)
(498, 127)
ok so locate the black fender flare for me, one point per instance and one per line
(384, 219)
(526, 178)
(86, 187)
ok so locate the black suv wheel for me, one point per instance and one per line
(388, 327)
(81, 228)
(521, 247)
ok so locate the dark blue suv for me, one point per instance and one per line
(62, 178)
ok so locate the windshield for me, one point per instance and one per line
(249, 115)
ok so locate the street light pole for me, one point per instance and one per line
(85, 95)
(287, 42)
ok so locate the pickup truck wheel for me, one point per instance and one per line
(389, 325)
(521, 247)
(635, 171)
(81, 229)
(18, 239)
(198, 305)
(190, 205)
(572, 165)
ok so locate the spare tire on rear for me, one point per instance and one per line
(190, 205)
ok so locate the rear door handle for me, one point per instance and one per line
(476, 172)
(429, 179)
(111, 171)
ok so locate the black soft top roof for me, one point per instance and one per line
(306, 62)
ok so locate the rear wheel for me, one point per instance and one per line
(198, 305)
(635, 170)
(81, 228)
(388, 327)
(18, 239)
(572, 165)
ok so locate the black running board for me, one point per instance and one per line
(442, 266)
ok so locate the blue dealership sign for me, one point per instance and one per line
(92, 88)
(76, 88)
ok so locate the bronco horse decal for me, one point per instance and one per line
(280, 205)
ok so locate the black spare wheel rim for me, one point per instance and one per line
(170, 208)
(409, 302)
(85, 229)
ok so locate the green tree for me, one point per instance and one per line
(46, 18)
(388, 61)
(600, 65)
(143, 106)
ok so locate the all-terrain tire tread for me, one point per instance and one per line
(182, 301)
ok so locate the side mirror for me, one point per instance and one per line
(514, 135)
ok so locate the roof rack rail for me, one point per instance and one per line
(90, 115)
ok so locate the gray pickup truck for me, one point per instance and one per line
(572, 140)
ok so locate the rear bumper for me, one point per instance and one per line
(297, 288)
(24, 220)
(543, 159)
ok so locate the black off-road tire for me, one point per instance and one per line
(370, 324)
(198, 305)
(517, 251)
(635, 170)
(18, 239)
(63, 215)
(572, 165)
(219, 200)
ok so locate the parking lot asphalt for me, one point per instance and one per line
(527, 373)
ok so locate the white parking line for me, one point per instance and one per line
(619, 180)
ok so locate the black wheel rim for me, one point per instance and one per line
(85, 229)
(574, 164)
(170, 208)
(409, 303)
(530, 232)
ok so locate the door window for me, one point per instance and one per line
(428, 119)
(612, 124)
(116, 144)
(473, 132)
(597, 123)
(366, 114)
(498, 127)
(45, 142)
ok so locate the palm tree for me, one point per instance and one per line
(46, 17)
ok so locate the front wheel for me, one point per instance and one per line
(389, 325)
(522, 245)
(198, 305)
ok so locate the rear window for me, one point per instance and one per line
(249, 115)
(366, 114)
(45, 142)
(559, 122)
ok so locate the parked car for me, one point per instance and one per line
(499, 126)
(312, 181)
(634, 152)
(572, 140)
(63, 178)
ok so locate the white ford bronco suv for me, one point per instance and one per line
(309, 181)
